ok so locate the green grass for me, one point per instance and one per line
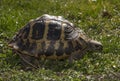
(86, 14)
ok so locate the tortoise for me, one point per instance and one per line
(51, 37)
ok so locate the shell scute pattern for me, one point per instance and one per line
(54, 31)
(60, 50)
(38, 30)
(52, 37)
(70, 48)
(41, 35)
(50, 49)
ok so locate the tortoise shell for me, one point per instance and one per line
(52, 37)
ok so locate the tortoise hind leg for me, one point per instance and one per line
(28, 62)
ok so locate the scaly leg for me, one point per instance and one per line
(28, 61)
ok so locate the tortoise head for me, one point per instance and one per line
(95, 46)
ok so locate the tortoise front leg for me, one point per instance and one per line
(79, 55)
(71, 58)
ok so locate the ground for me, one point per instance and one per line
(100, 19)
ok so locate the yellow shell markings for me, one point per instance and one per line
(39, 46)
(47, 43)
(63, 40)
(56, 45)
(46, 30)
(38, 42)
(32, 22)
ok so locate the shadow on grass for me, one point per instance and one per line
(55, 65)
